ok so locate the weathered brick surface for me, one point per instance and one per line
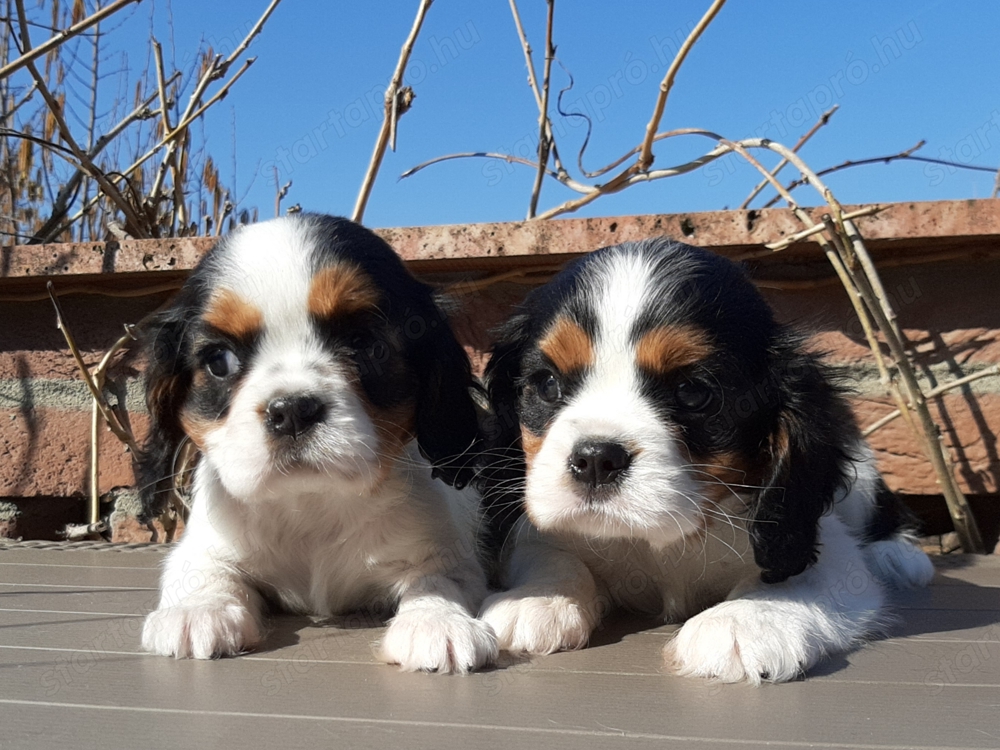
(968, 423)
(48, 452)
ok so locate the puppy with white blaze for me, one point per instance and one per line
(330, 407)
(677, 452)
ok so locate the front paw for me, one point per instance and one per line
(428, 639)
(744, 640)
(537, 624)
(200, 631)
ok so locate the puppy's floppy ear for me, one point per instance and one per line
(503, 373)
(808, 453)
(503, 472)
(168, 379)
(446, 422)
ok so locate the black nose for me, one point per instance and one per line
(596, 463)
(293, 415)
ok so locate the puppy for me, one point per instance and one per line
(301, 359)
(680, 453)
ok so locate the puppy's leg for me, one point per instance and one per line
(899, 562)
(434, 629)
(206, 609)
(551, 604)
(776, 632)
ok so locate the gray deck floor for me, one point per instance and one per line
(71, 674)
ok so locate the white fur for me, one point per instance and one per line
(658, 498)
(659, 546)
(336, 526)
(328, 553)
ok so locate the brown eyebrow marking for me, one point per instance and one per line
(664, 349)
(233, 315)
(567, 346)
(339, 290)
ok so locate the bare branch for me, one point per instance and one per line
(280, 192)
(33, 53)
(138, 226)
(509, 158)
(393, 110)
(823, 120)
(933, 393)
(646, 152)
(791, 239)
(907, 154)
(102, 404)
(53, 226)
(526, 47)
(98, 375)
(544, 140)
(241, 48)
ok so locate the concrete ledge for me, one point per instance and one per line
(914, 230)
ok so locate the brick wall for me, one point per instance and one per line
(939, 261)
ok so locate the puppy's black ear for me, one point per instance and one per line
(503, 472)
(167, 381)
(446, 421)
(808, 451)
(503, 373)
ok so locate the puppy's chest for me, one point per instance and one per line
(674, 583)
(331, 566)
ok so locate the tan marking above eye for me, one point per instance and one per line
(567, 346)
(340, 290)
(667, 348)
(233, 315)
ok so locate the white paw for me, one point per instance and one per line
(745, 640)
(537, 624)
(202, 631)
(436, 639)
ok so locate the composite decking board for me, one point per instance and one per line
(89, 576)
(69, 599)
(926, 662)
(983, 570)
(47, 726)
(70, 671)
(144, 557)
(809, 711)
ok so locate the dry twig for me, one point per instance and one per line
(646, 153)
(544, 140)
(933, 393)
(823, 120)
(119, 430)
(906, 154)
(30, 54)
(83, 159)
(398, 100)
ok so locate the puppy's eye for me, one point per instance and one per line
(547, 386)
(692, 396)
(222, 363)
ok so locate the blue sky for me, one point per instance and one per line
(901, 71)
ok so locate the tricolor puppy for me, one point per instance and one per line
(680, 453)
(328, 399)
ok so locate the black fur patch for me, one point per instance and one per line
(890, 517)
